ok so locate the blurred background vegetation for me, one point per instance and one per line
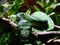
(10, 8)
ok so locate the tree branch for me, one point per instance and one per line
(46, 33)
(52, 13)
(57, 26)
(8, 21)
(53, 40)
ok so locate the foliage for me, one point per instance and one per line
(30, 16)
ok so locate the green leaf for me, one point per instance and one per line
(41, 3)
(4, 38)
(28, 11)
(1, 28)
(15, 7)
(1, 8)
(57, 17)
(50, 8)
(13, 18)
(36, 8)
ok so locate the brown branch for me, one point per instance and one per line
(7, 25)
(57, 26)
(53, 40)
(52, 13)
(46, 33)
(57, 40)
(13, 25)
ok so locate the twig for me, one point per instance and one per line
(57, 40)
(52, 13)
(53, 40)
(57, 26)
(43, 44)
(46, 33)
(13, 25)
